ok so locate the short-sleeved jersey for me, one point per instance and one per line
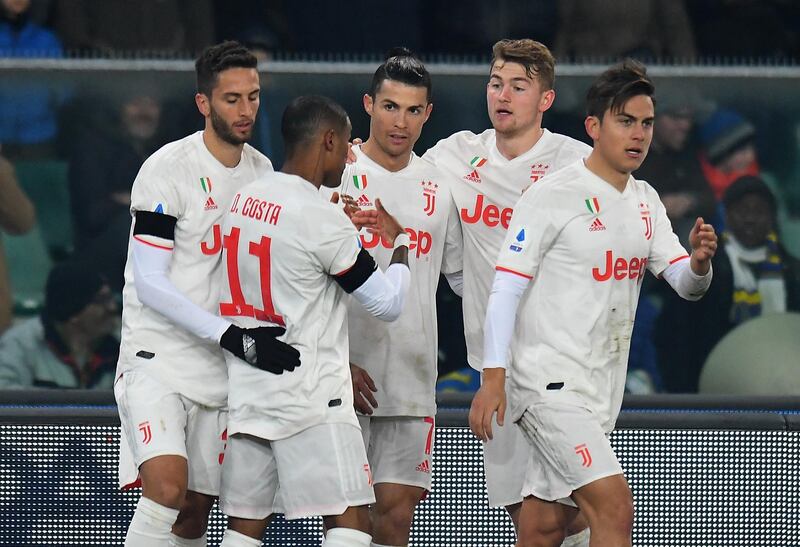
(485, 187)
(401, 357)
(284, 243)
(586, 246)
(183, 180)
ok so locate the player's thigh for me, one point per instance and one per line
(153, 420)
(400, 450)
(505, 461)
(249, 484)
(206, 439)
(609, 498)
(544, 519)
(323, 470)
(569, 449)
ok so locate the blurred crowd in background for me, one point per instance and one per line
(69, 153)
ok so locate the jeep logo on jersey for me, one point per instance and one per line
(538, 171)
(644, 210)
(429, 191)
(421, 241)
(620, 268)
(491, 215)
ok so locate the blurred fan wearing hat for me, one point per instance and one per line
(753, 276)
(728, 149)
(73, 342)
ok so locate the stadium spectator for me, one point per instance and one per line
(746, 30)
(17, 216)
(72, 343)
(672, 166)
(102, 168)
(598, 29)
(151, 27)
(728, 150)
(753, 275)
(27, 106)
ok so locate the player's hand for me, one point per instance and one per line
(704, 246)
(387, 225)
(261, 348)
(490, 398)
(351, 156)
(363, 389)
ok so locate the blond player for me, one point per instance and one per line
(395, 366)
(489, 172)
(171, 385)
(578, 246)
(292, 257)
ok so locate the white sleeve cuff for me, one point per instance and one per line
(686, 283)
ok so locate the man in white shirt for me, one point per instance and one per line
(488, 173)
(171, 381)
(394, 367)
(581, 241)
(292, 256)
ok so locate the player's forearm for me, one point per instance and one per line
(155, 290)
(501, 314)
(685, 282)
(383, 294)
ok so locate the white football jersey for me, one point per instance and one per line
(183, 180)
(401, 357)
(285, 242)
(485, 187)
(586, 246)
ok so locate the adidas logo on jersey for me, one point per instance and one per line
(424, 467)
(473, 177)
(363, 201)
(210, 205)
(597, 226)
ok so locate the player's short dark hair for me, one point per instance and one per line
(616, 86)
(218, 58)
(305, 116)
(539, 63)
(402, 66)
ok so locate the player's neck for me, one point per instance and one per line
(390, 163)
(514, 145)
(597, 165)
(305, 167)
(226, 153)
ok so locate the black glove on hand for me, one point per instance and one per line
(261, 348)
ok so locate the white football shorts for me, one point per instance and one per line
(569, 449)
(505, 462)
(157, 421)
(399, 449)
(321, 470)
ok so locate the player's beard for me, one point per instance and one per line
(224, 130)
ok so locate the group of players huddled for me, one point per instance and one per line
(279, 346)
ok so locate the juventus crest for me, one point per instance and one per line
(429, 192)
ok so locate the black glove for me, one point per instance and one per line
(261, 348)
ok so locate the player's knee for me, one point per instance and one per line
(193, 518)
(396, 516)
(618, 515)
(168, 493)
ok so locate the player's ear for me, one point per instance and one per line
(203, 104)
(592, 125)
(547, 100)
(329, 139)
(368, 103)
(428, 110)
